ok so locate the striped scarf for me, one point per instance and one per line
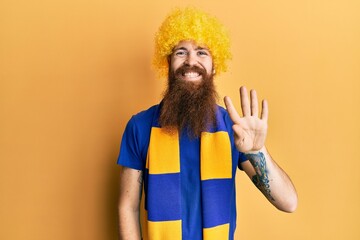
(161, 218)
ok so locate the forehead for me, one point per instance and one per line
(189, 44)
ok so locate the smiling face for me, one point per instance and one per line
(190, 99)
(191, 62)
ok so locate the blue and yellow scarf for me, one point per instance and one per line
(162, 184)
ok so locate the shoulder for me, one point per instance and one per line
(139, 126)
(148, 113)
(222, 110)
(144, 119)
(223, 114)
(136, 138)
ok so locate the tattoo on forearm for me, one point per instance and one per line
(261, 179)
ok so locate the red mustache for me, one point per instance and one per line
(185, 68)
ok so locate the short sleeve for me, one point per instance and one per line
(130, 150)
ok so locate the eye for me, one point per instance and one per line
(180, 53)
(202, 53)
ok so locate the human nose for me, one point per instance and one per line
(191, 59)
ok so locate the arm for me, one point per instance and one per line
(271, 180)
(250, 133)
(130, 184)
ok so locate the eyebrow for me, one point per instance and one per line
(197, 48)
(202, 48)
(180, 48)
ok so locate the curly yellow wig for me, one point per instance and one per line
(191, 24)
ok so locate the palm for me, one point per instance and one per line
(250, 130)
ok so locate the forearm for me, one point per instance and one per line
(129, 224)
(272, 181)
(129, 202)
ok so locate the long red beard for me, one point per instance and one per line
(189, 105)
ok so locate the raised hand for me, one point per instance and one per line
(250, 130)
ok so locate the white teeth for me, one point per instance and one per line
(191, 74)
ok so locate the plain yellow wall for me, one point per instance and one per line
(72, 72)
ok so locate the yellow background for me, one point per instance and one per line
(72, 72)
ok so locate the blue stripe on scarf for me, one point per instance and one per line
(163, 204)
(216, 201)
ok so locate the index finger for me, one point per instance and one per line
(231, 110)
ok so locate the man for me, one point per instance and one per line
(181, 156)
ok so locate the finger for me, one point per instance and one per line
(254, 103)
(245, 105)
(231, 110)
(265, 110)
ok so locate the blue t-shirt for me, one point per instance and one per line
(133, 154)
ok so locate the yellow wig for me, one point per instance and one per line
(191, 24)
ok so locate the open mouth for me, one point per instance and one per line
(191, 75)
